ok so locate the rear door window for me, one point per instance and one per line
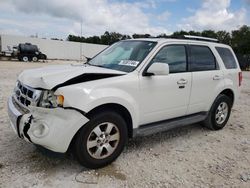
(227, 57)
(201, 58)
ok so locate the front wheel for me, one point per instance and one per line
(101, 140)
(35, 59)
(219, 113)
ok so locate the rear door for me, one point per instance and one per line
(207, 78)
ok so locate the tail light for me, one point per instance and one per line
(240, 78)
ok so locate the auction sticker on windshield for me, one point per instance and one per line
(130, 63)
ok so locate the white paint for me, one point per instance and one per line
(147, 99)
(50, 76)
(54, 49)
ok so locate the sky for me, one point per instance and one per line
(59, 18)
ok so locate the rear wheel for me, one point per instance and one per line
(101, 140)
(219, 113)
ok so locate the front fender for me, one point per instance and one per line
(88, 99)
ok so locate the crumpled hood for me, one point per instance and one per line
(51, 76)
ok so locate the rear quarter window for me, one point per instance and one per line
(227, 57)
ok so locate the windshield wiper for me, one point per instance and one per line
(98, 65)
(87, 63)
(87, 58)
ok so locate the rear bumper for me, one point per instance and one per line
(50, 128)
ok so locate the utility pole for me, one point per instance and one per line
(81, 43)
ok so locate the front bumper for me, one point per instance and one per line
(51, 128)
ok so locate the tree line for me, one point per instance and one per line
(238, 39)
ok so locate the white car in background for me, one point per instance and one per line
(133, 88)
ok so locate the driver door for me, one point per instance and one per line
(166, 96)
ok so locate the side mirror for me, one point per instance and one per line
(157, 68)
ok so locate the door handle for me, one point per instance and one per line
(182, 82)
(216, 77)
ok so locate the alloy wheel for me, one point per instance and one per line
(221, 113)
(103, 140)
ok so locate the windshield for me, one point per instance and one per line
(123, 56)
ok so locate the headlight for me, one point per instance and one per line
(50, 100)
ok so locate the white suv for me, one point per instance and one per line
(132, 88)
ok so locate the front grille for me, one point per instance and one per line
(27, 95)
(19, 107)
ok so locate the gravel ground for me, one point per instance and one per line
(187, 157)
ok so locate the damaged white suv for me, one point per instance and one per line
(133, 88)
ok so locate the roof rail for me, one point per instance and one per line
(201, 38)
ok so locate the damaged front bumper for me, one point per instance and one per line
(51, 128)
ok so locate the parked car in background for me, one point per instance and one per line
(133, 88)
(29, 52)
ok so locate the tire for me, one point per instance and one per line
(219, 113)
(25, 59)
(90, 150)
(35, 59)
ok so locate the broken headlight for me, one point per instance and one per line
(50, 100)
